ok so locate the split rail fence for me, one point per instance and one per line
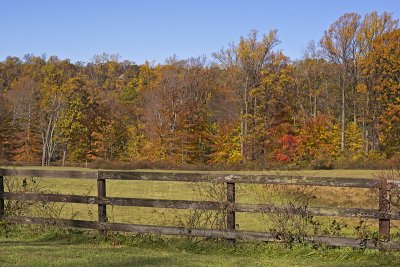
(383, 214)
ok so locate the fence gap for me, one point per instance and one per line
(384, 207)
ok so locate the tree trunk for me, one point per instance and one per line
(343, 114)
(245, 124)
(64, 155)
(315, 106)
(253, 130)
(366, 117)
(45, 137)
(242, 135)
(44, 150)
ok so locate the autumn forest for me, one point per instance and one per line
(249, 103)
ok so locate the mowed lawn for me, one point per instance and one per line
(324, 196)
(90, 249)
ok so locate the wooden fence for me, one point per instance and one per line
(383, 214)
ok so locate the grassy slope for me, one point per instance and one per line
(83, 249)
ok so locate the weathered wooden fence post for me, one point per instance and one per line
(384, 207)
(101, 193)
(1, 195)
(230, 215)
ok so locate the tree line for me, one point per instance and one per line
(250, 103)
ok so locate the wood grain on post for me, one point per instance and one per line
(1, 196)
(384, 207)
(230, 213)
(101, 193)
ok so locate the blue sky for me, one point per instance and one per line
(155, 30)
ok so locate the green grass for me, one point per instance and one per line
(28, 247)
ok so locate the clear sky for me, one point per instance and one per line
(155, 30)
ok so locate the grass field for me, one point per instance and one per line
(71, 248)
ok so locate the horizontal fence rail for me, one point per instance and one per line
(201, 205)
(210, 233)
(202, 177)
(382, 214)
